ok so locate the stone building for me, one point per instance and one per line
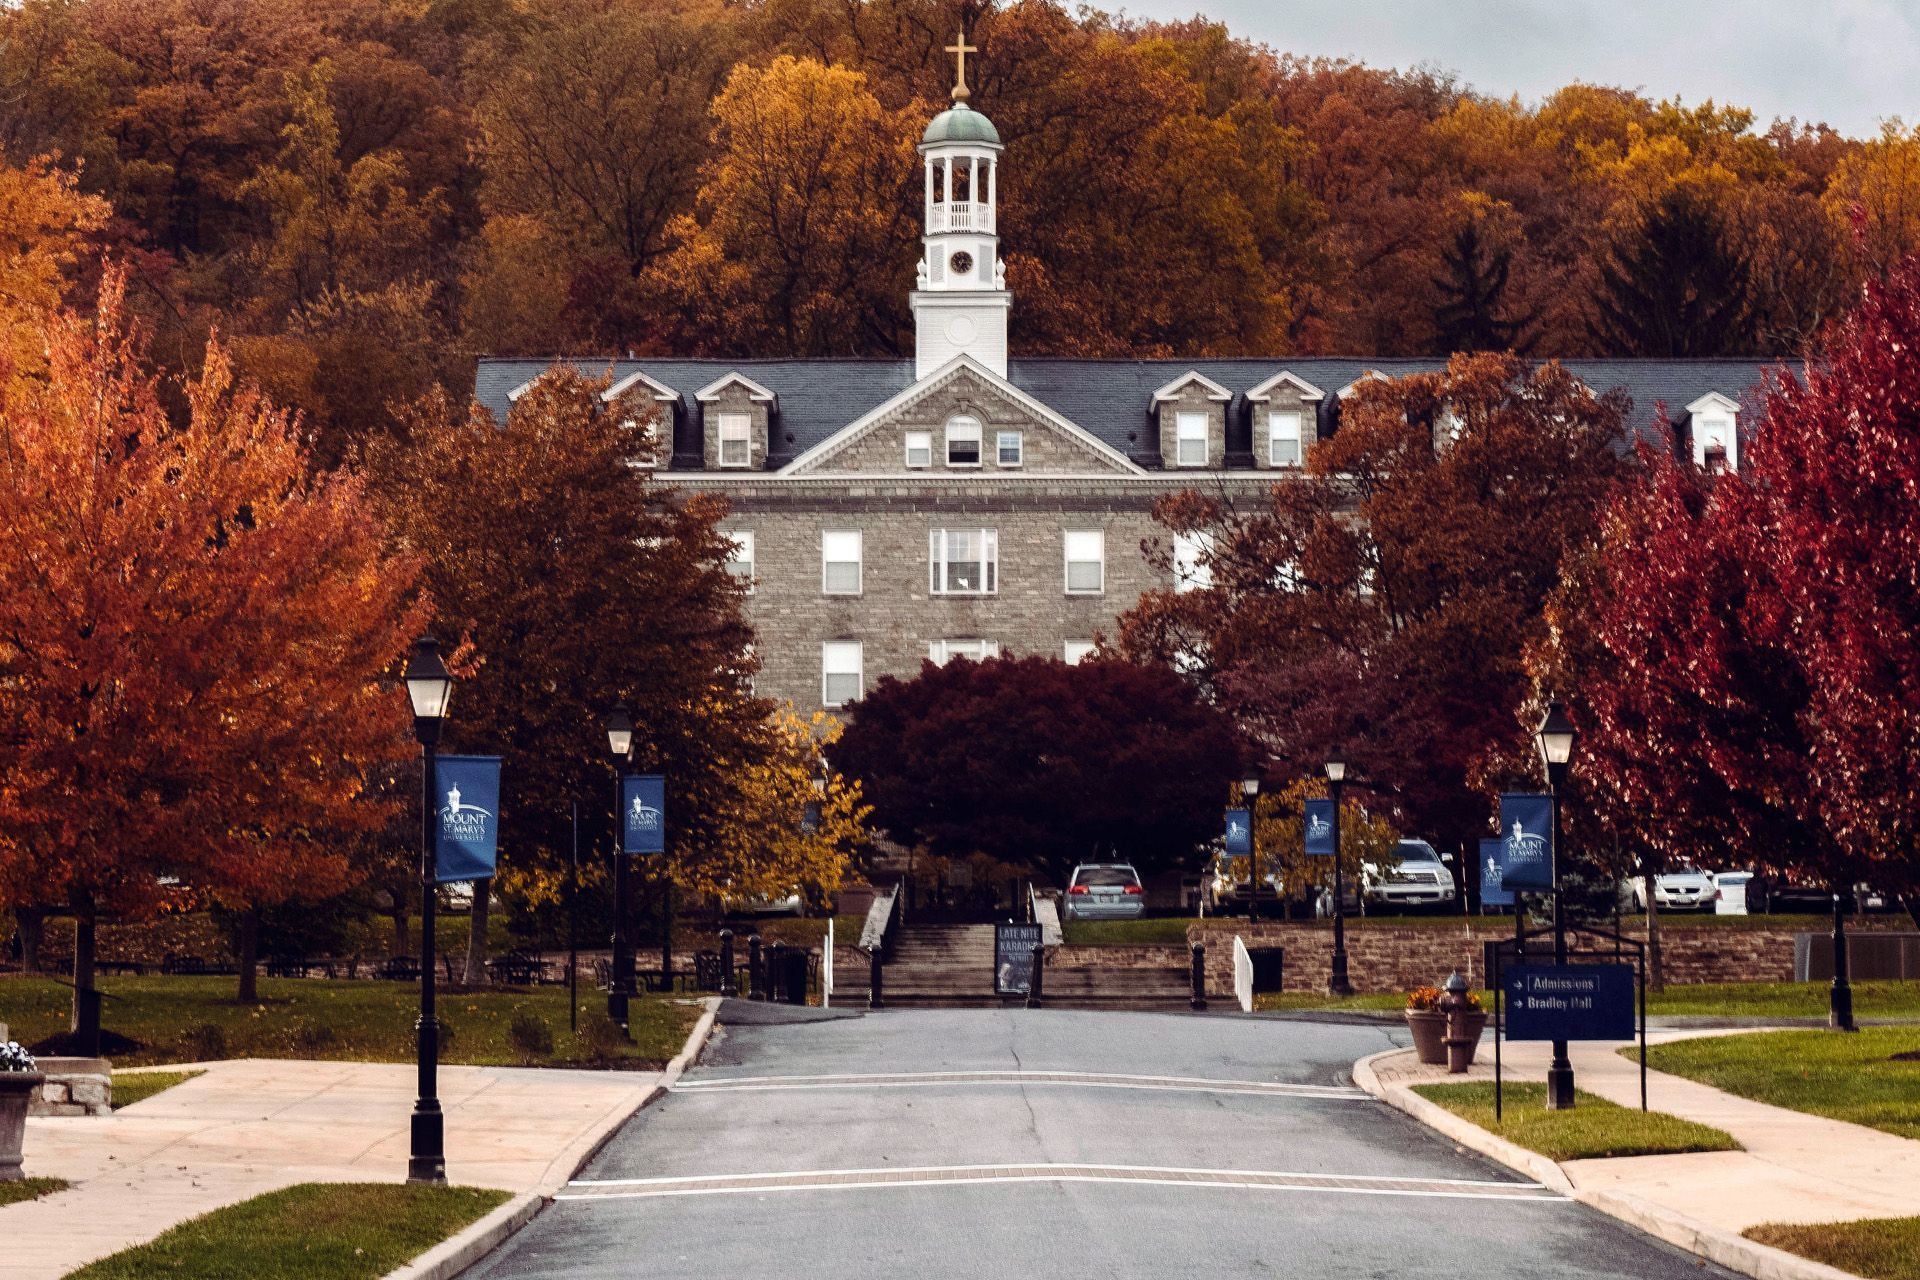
(964, 502)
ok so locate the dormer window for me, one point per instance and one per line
(963, 442)
(1716, 433)
(736, 439)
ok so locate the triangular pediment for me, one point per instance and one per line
(876, 443)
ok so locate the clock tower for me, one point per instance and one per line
(961, 302)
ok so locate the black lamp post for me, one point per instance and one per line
(1840, 994)
(620, 979)
(429, 688)
(1338, 984)
(811, 812)
(1555, 737)
(1250, 789)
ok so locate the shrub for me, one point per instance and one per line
(602, 1039)
(530, 1037)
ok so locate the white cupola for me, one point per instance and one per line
(961, 302)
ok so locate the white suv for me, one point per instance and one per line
(1417, 878)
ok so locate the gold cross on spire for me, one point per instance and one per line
(960, 49)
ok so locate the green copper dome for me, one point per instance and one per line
(960, 123)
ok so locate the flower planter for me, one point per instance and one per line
(1429, 1035)
(15, 1088)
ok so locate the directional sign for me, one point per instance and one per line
(1569, 1002)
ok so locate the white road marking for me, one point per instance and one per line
(974, 1175)
(1082, 1079)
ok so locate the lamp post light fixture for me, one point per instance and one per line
(1555, 738)
(1338, 983)
(620, 976)
(429, 689)
(1250, 789)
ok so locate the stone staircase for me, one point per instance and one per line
(951, 966)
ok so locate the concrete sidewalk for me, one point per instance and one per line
(1795, 1167)
(251, 1126)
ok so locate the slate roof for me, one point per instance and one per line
(1110, 398)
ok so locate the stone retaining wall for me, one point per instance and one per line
(73, 1087)
(1400, 959)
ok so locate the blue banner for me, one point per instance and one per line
(467, 830)
(643, 813)
(1317, 826)
(1526, 831)
(1239, 833)
(1568, 1002)
(1493, 868)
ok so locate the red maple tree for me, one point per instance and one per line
(193, 629)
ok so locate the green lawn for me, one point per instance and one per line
(1878, 1248)
(317, 1231)
(141, 1085)
(182, 1019)
(1148, 931)
(22, 1189)
(1594, 1128)
(1824, 1073)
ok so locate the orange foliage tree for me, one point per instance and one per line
(192, 634)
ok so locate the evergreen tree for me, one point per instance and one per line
(1675, 287)
(1474, 285)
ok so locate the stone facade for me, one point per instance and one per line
(733, 397)
(896, 615)
(1045, 447)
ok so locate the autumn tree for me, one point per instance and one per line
(1041, 764)
(580, 583)
(45, 222)
(1675, 287)
(1279, 833)
(1381, 605)
(793, 247)
(1874, 198)
(195, 634)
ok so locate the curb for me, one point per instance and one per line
(458, 1252)
(1715, 1244)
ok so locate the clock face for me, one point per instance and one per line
(962, 263)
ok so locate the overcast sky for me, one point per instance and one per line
(1850, 63)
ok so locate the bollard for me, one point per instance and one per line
(1199, 1000)
(1039, 976)
(728, 985)
(756, 978)
(1462, 1035)
(874, 999)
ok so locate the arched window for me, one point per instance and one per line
(963, 441)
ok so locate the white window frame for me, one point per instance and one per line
(1098, 560)
(1275, 437)
(1000, 440)
(1183, 420)
(938, 549)
(1707, 428)
(827, 538)
(961, 428)
(1190, 572)
(840, 650)
(742, 540)
(922, 440)
(941, 652)
(736, 429)
(1075, 652)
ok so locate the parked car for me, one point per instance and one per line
(1683, 889)
(1730, 892)
(1105, 891)
(1416, 877)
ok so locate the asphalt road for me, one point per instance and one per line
(970, 1144)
